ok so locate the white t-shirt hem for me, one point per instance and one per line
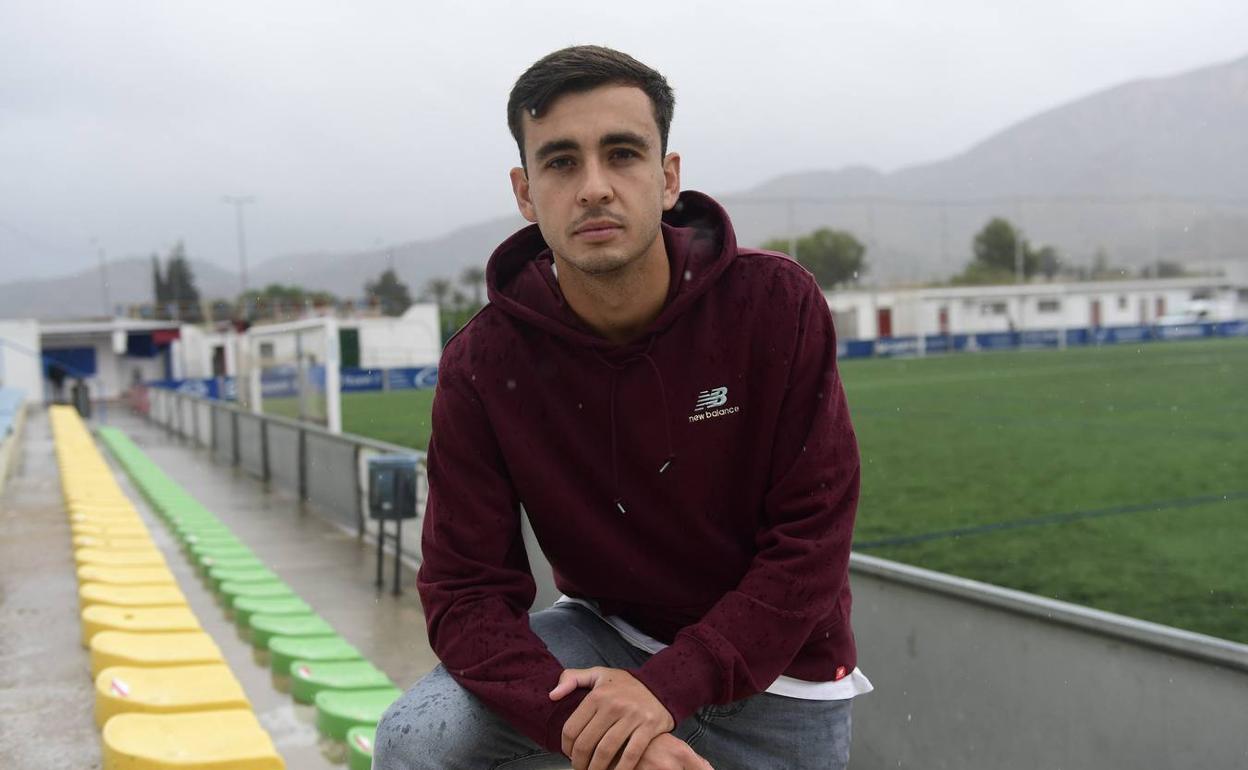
(852, 685)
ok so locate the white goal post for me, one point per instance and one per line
(297, 360)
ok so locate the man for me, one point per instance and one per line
(666, 408)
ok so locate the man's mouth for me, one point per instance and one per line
(598, 230)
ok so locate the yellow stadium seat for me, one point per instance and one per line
(140, 620)
(204, 740)
(117, 543)
(123, 648)
(125, 576)
(166, 690)
(149, 558)
(130, 596)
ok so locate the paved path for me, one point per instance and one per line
(45, 691)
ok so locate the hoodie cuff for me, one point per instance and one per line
(554, 725)
(684, 677)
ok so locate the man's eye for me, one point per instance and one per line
(559, 164)
(623, 153)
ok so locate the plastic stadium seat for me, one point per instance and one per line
(245, 607)
(130, 596)
(204, 740)
(125, 576)
(123, 648)
(114, 543)
(308, 678)
(265, 627)
(360, 748)
(337, 711)
(166, 690)
(99, 618)
(236, 561)
(283, 651)
(231, 591)
(124, 529)
(218, 575)
(149, 558)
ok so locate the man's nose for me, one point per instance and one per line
(595, 185)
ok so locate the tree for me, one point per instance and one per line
(997, 250)
(390, 292)
(176, 295)
(833, 256)
(277, 300)
(1048, 263)
(473, 278)
(999, 245)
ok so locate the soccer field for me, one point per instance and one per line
(1112, 477)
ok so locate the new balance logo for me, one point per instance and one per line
(709, 399)
(710, 404)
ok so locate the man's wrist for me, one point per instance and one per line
(684, 677)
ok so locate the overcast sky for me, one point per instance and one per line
(365, 123)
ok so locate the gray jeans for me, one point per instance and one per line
(437, 725)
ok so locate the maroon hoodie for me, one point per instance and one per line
(699, 482)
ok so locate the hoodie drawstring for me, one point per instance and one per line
(618, 501)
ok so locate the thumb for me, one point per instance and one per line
(573, 678)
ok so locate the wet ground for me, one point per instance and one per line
(45, 690)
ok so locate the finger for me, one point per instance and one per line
(634, 750)
(609, 747)
(573, 678)
(587, 741)
(575, 724)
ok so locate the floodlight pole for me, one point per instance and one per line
(238, 201)
(108, 303)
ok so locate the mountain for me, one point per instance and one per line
(416, 262)
(1154, 169)
(81, 295)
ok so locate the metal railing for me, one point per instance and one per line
(327, 470)
(968, 675)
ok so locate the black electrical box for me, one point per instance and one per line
(392, 487)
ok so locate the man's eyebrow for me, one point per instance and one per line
(554, 146)
(625, 137)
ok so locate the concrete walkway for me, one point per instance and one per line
(45, 692)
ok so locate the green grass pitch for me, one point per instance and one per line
(1092, 475)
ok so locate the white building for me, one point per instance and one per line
(109, 356)
(413, 339)
(980, 309)
(20, 366)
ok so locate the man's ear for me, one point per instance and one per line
(520, 186)
(671, 180)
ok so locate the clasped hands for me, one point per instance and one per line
(620, 725)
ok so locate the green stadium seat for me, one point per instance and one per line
(310, 677)
(337, 711)
(360, 747)
(284, 650)
(247, 606)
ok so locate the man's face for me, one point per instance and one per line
(597, 183)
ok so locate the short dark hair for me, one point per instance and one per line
(583, 68)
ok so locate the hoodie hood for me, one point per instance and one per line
(700, 245)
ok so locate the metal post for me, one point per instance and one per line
(213, 444)
(398, 555)
(381, 540)
(265, 472)
(237, 455)
(303, 465)
(359, 493)
(195, 425)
